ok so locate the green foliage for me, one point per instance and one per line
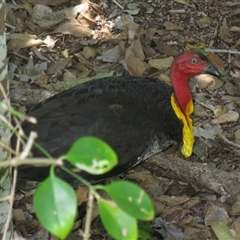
(91, 155)
(145, 232)
(118, 223)
(131, 198)
(56, 205)
(55, 201)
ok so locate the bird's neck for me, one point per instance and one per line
(181, 89)
(182, 105)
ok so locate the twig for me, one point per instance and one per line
(11, 201)
(7, 148)
(228, 141)
(177, 11)
(86, 234)
(10, 26)
(19, 55)
(118, 4)
(28, 147)
(15, 162)
(6, 122)
(222, 51)
(5, 95)
(204, 104)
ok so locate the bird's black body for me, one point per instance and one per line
(133, 115)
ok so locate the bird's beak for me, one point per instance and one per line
(212, 70)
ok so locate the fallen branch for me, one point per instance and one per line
(202, 176)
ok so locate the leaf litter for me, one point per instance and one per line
(62, 44)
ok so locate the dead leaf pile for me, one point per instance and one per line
(54, 45)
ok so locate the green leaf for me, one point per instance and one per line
(145, 232)
(131, 198)
(55, 204)
(91, 155)
(222, 231)
(118, 223)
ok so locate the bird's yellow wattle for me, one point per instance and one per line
(188, 138)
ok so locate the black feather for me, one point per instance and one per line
(132, 114)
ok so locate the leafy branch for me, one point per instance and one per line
(55, 200)
(119, 214)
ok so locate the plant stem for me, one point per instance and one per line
(86, 234)
(85, 182)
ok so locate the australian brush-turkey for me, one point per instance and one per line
(138, 117)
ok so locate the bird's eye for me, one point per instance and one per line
(194, 61)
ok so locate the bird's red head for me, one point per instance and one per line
(192, 63)
(186, 66)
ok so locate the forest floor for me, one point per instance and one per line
(61, 43)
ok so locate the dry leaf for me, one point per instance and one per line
(220, 111)
(166, 49)
(216, 213)
(236, 206)
(108, 34)
(87, 16)
(18, 214)
(208, 132)
(225, 31)
(136, 49)
(165, 78)
(217, 62)
(147, 181)
(200, 150)
(133, 8)
(149, 52)
(173, 201)
(182, 2)
(200, 111)
(168, 229)
(231, 89)
(203, 80)
(81, 194)
(232, 4)
(38, 54)
(136, 67)
(224, 117)
(235, 29)
(237, 137)
(25, 40)
(129, 27)
(228, 98)
(10, 16)
(172, 27)
(221, 230)
(204, 22)
(236, 227)
(89, 52)
(235, 12)
(111, 55)
(32, 72)
(149, 8)
(73, 27)
(50, 42)
(45, 17)
(161, 64)
(196, 46)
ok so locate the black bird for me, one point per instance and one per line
(138, 117)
